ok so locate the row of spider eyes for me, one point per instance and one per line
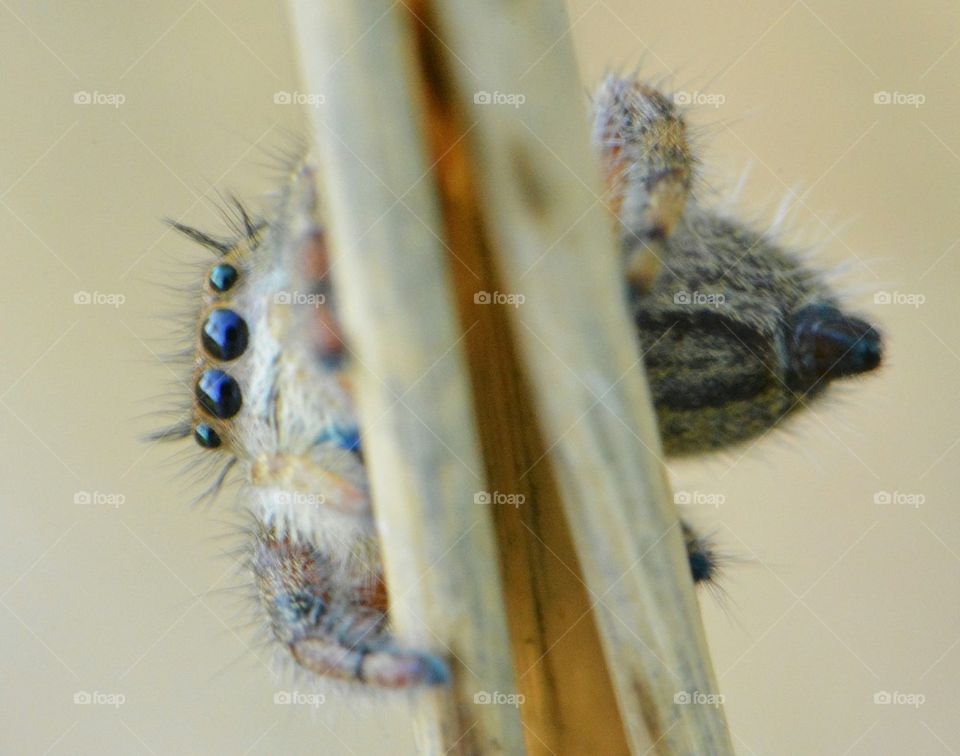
(224, 336)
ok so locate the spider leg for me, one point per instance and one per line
(332, 615)
(641, 139)
(704, 562)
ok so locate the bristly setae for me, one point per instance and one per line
(737, 334)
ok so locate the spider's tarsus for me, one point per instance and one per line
(704, 563)
(382, 667)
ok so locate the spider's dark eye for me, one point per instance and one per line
(224, 335)
(219, 394)
(206, 436)
(223, 276)
(829, 344)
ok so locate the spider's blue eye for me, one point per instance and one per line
(219, 394)
(206, 436)
(223, 276)
(224, 334)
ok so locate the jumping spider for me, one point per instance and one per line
(272, 394)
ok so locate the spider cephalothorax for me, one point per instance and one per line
(737, 334)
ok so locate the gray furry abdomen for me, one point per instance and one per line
(715, 331)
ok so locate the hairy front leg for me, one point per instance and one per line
(332, 616)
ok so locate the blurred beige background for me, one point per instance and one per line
(111, 586)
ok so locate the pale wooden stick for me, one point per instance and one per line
(579, 350)
(648, 618)
(569, 705)
(412, 386)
